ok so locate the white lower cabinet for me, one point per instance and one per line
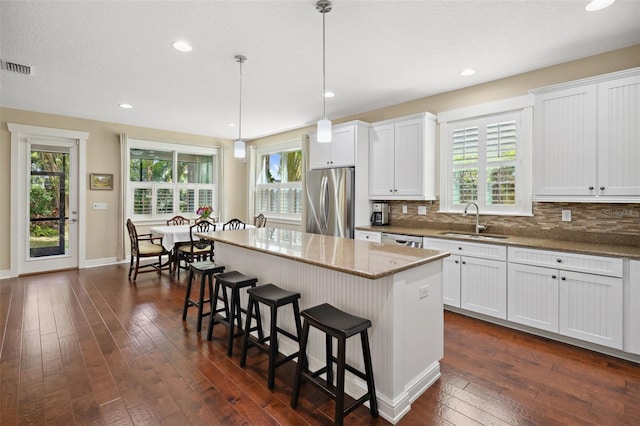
(483, 286)
(533, 296)
(632, 309)
(591, 308)
(566, 297)
(474, 276)
(451, 281)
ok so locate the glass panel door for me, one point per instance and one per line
(49, 204)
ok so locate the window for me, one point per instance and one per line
(165, 180)
(278, 182)
(486, 160)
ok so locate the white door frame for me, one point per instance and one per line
(20, 135)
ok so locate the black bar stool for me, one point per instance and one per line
(234, 281)
(341, 325)
(206, 269)
(274, 297)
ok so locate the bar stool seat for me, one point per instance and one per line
(341, 325)
(274, 297)
(230, 314)
(206, 269)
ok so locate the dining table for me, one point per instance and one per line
(173, 235)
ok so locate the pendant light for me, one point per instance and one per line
(239, 149)
(324, 125)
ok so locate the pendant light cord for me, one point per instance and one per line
(240, 59)
(324, 89)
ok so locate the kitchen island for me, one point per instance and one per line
(398, 288)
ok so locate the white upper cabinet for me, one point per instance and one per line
(340, 152)
(587, 140)
(619, 130)
(402, 158)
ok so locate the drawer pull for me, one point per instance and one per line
(602, 188)
(559, 260)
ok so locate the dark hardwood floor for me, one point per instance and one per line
(89, 347)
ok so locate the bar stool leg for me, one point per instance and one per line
(368, 368)
(302, 359)
(273, 345)
(235, 296)
(329, 356)
(187, 297)
(245, 341)
(203, 277)
(339, 417)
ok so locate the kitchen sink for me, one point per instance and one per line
(473, 236)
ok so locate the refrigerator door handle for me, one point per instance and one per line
(324, 202)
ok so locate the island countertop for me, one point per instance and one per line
(361, 258)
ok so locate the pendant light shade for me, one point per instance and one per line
(324, 125)
(324, 130)
(239, 149)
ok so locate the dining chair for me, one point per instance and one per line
(260, 221)
(198, 249)
(145, 246)
(178, 220)
(234, 224)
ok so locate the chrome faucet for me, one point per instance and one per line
(479, 228)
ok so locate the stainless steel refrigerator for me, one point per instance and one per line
(330, 201)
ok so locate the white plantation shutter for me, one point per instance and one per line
(483, 155)
(465, 164)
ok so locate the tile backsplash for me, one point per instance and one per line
(590, 222)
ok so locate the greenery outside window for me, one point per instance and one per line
(278, 182)
(486, 160)
(166, 180)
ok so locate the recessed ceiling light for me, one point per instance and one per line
(329, 94)
(598, 5)
(467, 72)
(182, 46)
(126, 106)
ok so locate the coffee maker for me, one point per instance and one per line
(380, 215)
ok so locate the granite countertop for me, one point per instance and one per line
(630, 252)
(361, 258)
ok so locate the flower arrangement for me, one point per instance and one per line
(204, 211)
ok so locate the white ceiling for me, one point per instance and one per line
(91, 56)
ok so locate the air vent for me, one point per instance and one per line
(19, 68)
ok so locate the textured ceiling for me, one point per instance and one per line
(91, 56)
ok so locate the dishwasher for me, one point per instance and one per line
(403, 240)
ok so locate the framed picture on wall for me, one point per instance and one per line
(101, 181)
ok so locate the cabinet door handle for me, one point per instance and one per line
(455, 261)
(464, 263)
(563, 278)
(559, 260)
(391, 190)
(554, 276)
(602, 188)
(591, 188)
(459, 248)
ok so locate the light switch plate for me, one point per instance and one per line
(566, 215)
(422, 210)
